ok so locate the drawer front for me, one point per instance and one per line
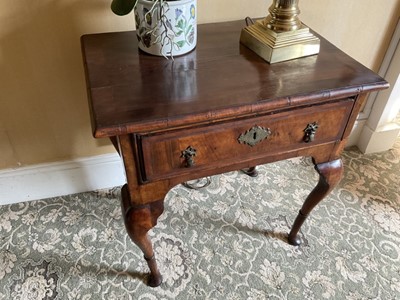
(183, 151)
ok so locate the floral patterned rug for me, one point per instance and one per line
(226, 241)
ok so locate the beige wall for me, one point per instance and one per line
(43, 107)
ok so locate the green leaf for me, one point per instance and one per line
(188, 29)
(180, 24)
(179, 33)
(181, 43)
(122, 7)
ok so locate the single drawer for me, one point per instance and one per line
(175, 153)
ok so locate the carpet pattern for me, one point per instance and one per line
(226, 241)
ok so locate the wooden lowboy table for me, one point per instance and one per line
(217, 109)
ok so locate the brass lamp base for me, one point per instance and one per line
(279, 46)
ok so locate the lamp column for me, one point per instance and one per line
(283, 16)
(281, 35)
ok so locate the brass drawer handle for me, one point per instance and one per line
(310, 132)
(189, 155)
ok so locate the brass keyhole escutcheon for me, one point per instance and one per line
(189, 153)
(310, 131)
(254, 135)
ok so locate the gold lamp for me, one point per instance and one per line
(280, 36)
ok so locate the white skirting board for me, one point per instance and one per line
(60, 178)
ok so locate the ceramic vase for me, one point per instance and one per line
(167, 29)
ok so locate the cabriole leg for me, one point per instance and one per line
(330, 174)
(138, 221)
